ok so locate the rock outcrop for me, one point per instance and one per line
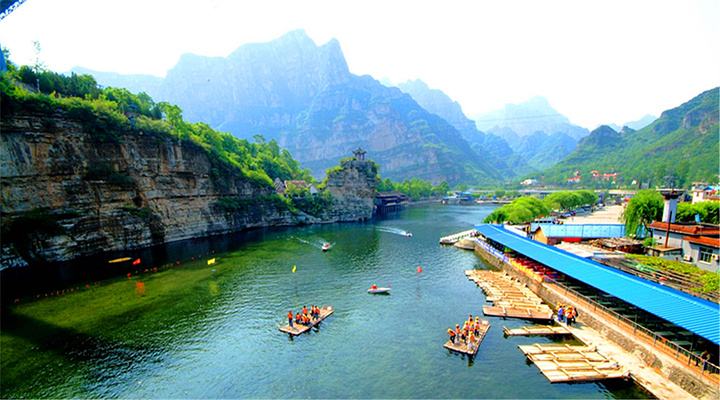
(352, 187)
(68, 192)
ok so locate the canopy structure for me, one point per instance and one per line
(697, 315)
(585, 231)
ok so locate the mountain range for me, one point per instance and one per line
(533, 129)
(682, 146)
(304, 96)
(496, 150)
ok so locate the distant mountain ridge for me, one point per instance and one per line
(534, 130)
(304, 96)
(635, 125)
(682, 144)
(494, 148)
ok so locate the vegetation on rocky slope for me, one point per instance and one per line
(106, 112)
(682, 144)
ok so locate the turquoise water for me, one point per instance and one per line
(371, 347)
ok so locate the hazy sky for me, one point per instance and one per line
(595, 61)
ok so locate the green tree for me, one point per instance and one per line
(441, 189)
(520, 211)
(646, 206)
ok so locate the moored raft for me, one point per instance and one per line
(565, 363)
(518, 312)
(467, 348)
(544, 330)
(298, 329)
(509, 298)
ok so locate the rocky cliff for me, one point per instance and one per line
(305, 97)
(69, 192)
(352, 187)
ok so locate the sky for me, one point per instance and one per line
(596, 62)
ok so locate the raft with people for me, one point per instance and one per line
(303, 321)
(467, 339)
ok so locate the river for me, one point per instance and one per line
(199, 331)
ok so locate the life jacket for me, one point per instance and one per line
(304, 310)
(290, 316)
(451, 332)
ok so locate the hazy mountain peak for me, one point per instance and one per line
(439, 103)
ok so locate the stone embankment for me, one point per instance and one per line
(67, 192)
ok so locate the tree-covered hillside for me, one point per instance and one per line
(682, 144)
(106, 111)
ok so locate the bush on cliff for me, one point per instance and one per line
(110, 113)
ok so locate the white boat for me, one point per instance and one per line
(326, 246)
(379, 290)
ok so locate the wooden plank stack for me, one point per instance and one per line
(509, 298)
(565, 363)
(544, 330)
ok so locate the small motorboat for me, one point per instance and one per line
(378, 290)
(326, 246)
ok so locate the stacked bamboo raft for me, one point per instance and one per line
(565, 363)
(469, 348)
(538, 330)
(508, 297)
(297, 329)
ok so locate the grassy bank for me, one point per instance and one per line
(110, 320)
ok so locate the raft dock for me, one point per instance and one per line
(537, 330)
(297, 329)
(565, 363)
(465, 348)
(508, 297)
(452, 239)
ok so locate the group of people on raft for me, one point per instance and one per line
(469, 333)
(566, 314)
(305, 317)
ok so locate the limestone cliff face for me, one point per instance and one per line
(68, 193)
(352, 187)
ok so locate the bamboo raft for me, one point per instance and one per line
(518, 312)
(297, 329)
(536, 330)
(508, 298)
(565, 363)
(465, 348)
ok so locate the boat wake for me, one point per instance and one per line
(395, 231)
(318, 244)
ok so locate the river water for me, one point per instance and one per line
(220, 339)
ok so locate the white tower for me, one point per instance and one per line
(671, 200)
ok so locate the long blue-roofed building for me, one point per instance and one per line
(696, 315)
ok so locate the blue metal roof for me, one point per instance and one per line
(585, 231)
(692, 313)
